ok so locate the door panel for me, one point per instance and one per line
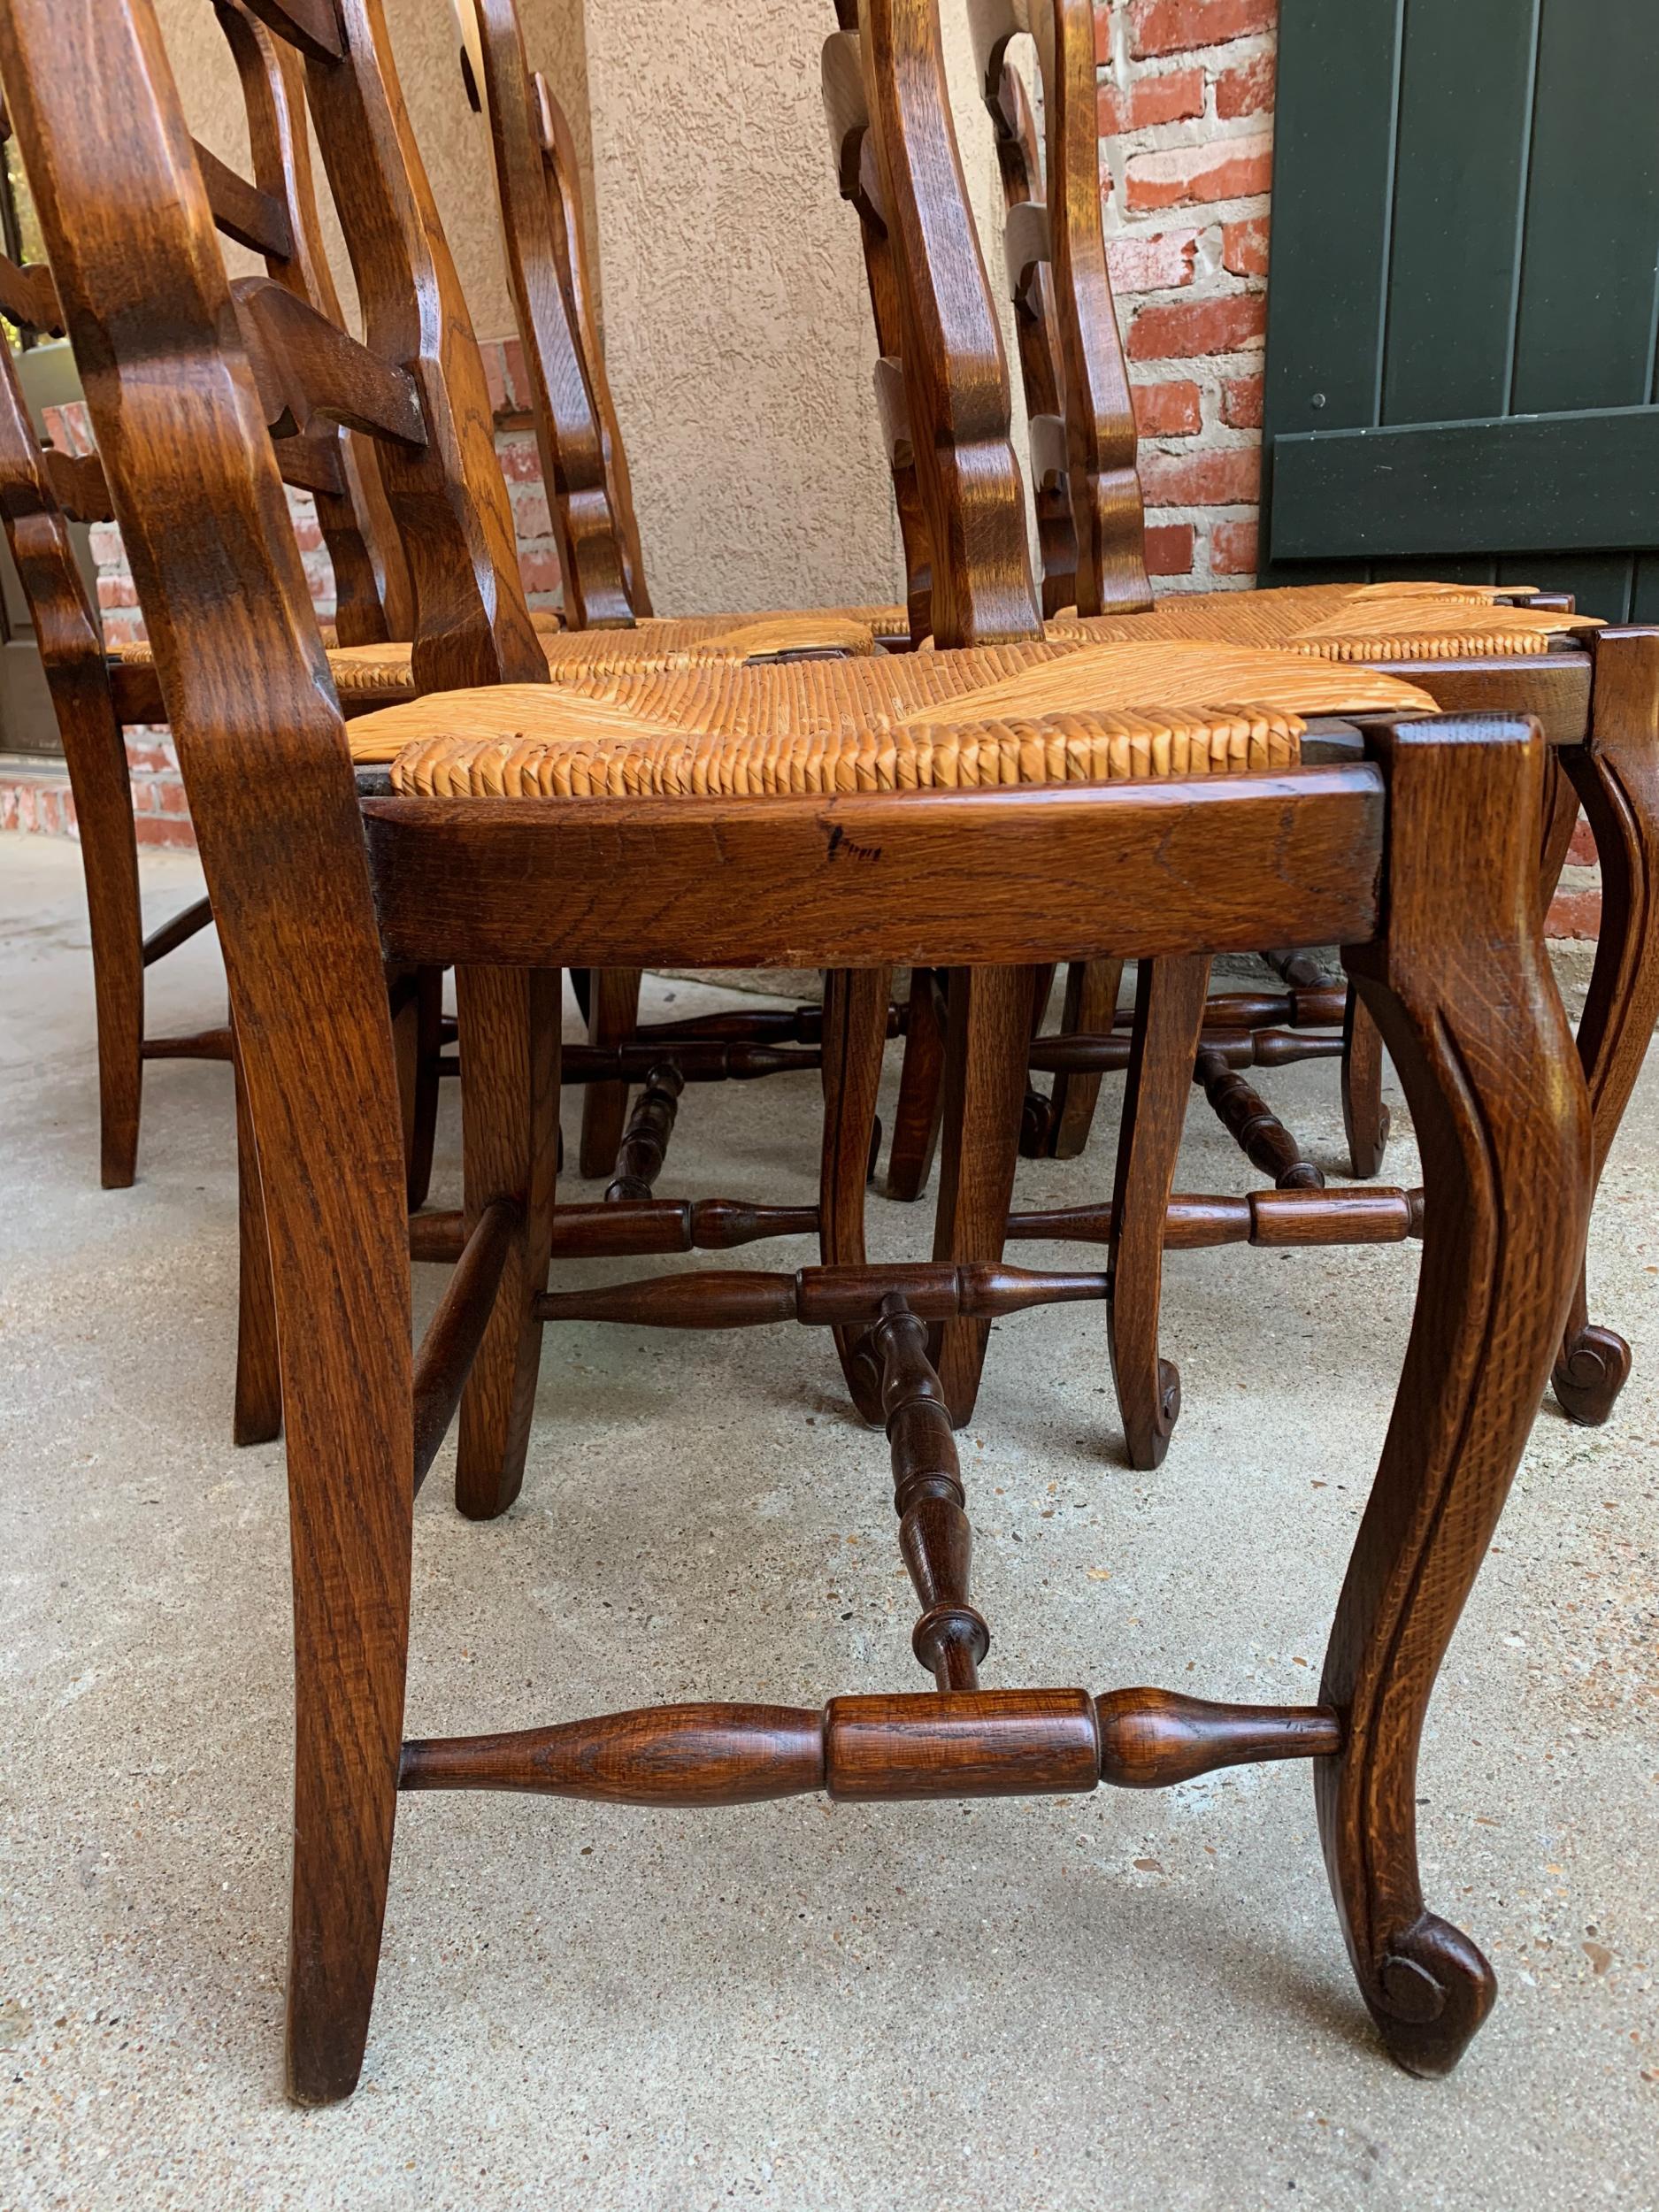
(1465, 231)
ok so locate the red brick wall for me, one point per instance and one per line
(1186, 152)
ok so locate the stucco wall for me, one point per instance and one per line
(737, 326)
(451, 138)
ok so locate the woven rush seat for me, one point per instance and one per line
(383, 672)
(1029, 714)
(1343, 622)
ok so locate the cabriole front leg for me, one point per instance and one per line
(1461, 992)
(1616, 779)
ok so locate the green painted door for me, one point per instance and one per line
(1462, 305)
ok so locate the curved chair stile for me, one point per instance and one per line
(310, 876)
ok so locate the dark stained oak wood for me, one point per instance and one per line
(592, 561)
(1505, 1149)
(257, 1416)
(877, 1750)
(645, 1145)
(72, 650)
(615, 1231)
(447, 497)
(916, 1119)
(309, 369)
(855, 1029)
(1097, 412)
(564, 181)
(1257, 1129)
(188, 922)
(29, 295)
(1075, 1052)
(1423, 860)
(373, 598)
(1555, 687)
(1091, 1003)
(1151, 1740)
(1169, 1009)
(1364, 1117)
(456, 1330)
(670, 1754)
(989, 1023)
(508, 1021)
(961, 879)
(951, 1638)
(955, 375)
(313, 25)
(1617, 777)
(254, 219)
(985, 1743)
(1274, 1218)
(127, 226)
(612, 1011)
(827, 1297)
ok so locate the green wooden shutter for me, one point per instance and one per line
(1462, 305)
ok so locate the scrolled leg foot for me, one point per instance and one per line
(1434, 1990)
(1592, 1368)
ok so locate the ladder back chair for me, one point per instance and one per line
(43, 489)
(1442, 937)
(1596, 691)
(585, 468)
(535, 186)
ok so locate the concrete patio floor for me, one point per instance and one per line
(1113, 2002)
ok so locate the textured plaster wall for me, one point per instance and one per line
(452, 140)
(737, 326)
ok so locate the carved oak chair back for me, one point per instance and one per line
(946, 402)
(942, 360)
(41, 490)
(583, 463)
(276, 215)
(416, 383)
(315, 889)
(1070, 349)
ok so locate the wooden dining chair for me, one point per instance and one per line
(581, 452)
(43, 490)
(1596, 691)
(777, 852)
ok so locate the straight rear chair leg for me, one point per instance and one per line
(1091, 1000)
(508, 1021)
(1616, 777)
(1036, 1120)
(1364, 1117)
(916, 1120)
(855, 1034)
(258, 1414)
(320, 1092)
(613, 1014)
(1462, 994)
(988, 1044)
(1169, 997)
(96, 755)
(418, 1036)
